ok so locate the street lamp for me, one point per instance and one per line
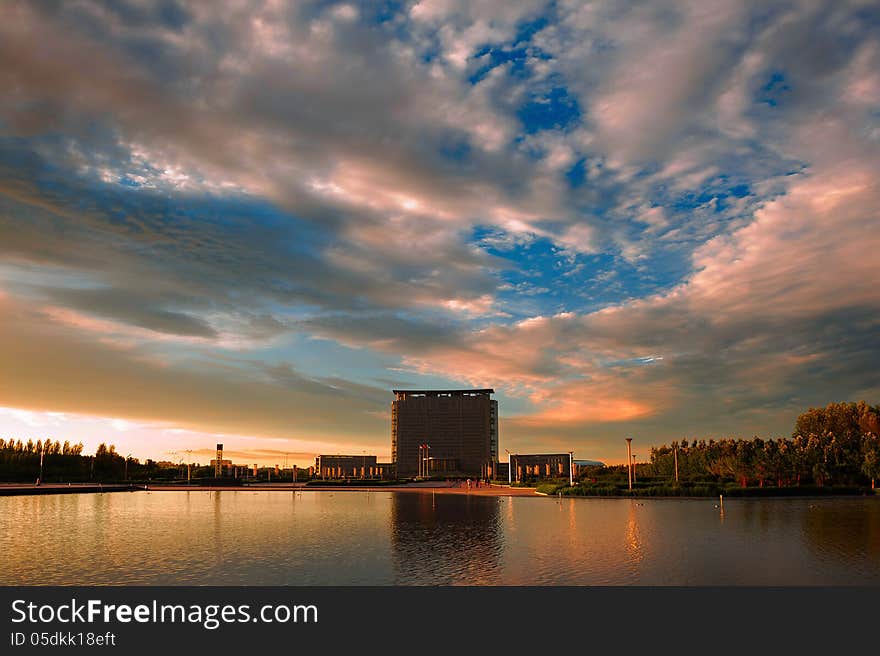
(509, 468)
(629, 470)
(675, 454)
(571, 468)
(126, 465)
(634, 468)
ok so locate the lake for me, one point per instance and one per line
(416, 538)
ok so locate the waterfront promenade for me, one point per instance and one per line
(435, 487)
(17, 489)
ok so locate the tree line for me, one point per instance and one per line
(835, 445)
(66, 462)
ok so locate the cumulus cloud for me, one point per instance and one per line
(621, 215)
(46, 366)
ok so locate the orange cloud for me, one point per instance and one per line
(582, 404)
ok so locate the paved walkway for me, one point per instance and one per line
(16, 489)
(436, 487)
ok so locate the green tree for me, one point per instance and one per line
(871, 461)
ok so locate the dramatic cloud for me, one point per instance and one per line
(253, 219)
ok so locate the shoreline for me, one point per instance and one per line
(492, 491)
(23, 489)
(20, 489)
(15, 489)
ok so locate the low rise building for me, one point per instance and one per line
(342, 466)
(542, 466)
(538, 466)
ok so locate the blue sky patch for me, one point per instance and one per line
(554, 110)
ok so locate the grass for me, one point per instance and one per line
(689, 489)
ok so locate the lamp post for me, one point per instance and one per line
(629, 461)
(634, 468)
(42, 453)
(571, 468)
(675, 456)
(509, 468)
(423, 460)
(126, 465)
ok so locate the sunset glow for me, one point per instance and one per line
(248, 224)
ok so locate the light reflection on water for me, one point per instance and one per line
(387, 538)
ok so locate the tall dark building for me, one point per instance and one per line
(459, 426)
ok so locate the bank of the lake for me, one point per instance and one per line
(552, 489)
(432, 487)
(19, 489)
(698, 490)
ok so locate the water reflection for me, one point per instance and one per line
(446, 540)
(388, 538)
(633, 535)
(846, 529)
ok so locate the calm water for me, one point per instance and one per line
(386, 538)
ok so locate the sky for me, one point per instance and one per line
(247, 222)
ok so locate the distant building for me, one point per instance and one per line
(337, 466)
(540, 465)
(578, 464)
(444, 432)
(227, 468)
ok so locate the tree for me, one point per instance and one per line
(869, 419)
(871, 461)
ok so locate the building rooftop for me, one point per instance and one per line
(455, 391)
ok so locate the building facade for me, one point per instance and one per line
(363, 466)
(538, 466)
(444, 433)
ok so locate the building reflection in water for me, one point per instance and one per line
(450, 539)
(218, 524)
